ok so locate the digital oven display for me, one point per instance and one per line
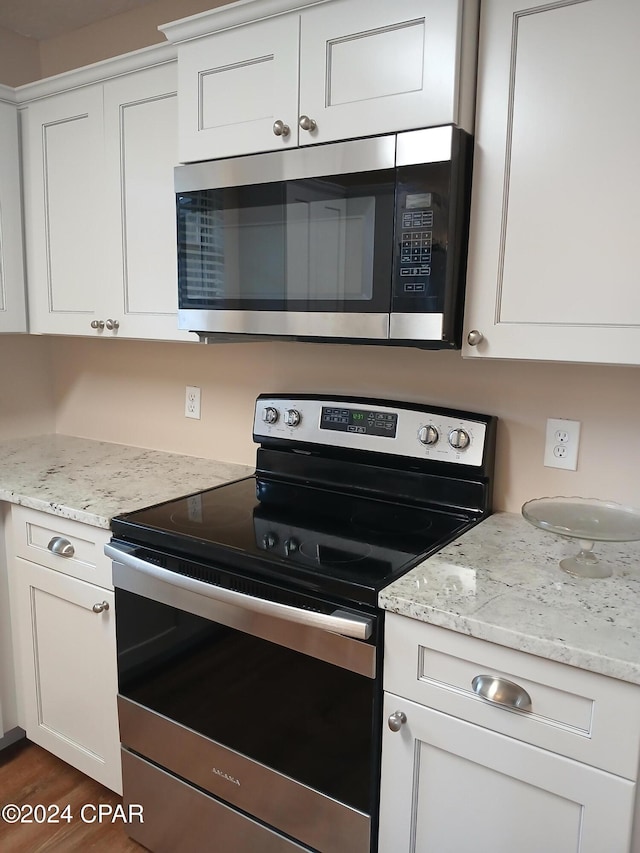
(364, 421)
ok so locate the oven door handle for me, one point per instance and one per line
(339, 622)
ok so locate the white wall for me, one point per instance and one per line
(26, 386)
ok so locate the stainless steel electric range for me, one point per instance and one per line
(250, 644)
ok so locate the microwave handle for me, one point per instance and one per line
(339, 622)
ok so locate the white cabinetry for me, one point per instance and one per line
(463, 773)
(63, 155)
(552, 268)
(63, 621)
(8, 706)
(13, 316)
(326, 71)
(100, 206)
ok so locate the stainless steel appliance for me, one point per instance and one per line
(250, 648)
(362, 240)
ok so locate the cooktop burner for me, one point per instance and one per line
(337, 507)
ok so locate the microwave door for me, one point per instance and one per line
(309, 257)
(329, 244)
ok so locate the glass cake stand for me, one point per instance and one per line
(589, 521)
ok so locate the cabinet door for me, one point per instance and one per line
(67, 674)
(141, 150)
(552, 264)
(375, 67)
(13, 315)
(234, 86)
(450, 786)
(63, 168)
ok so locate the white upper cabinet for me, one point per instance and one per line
(63, 155)
(332, 70)
(13, 317)
(553, 272)
(234, 87)
(99, 201)
(141, 150)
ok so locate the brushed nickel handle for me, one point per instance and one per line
(501, 692)
(280, 128)
(97, 324)
(474, 338)
(99, 608)
(113, 324)
(397, 720)
(61, 546)
(307, 123)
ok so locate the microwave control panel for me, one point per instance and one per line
(421, 237)
(416, 242)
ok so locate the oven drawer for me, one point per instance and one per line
(582, 715)
(180, 819)
(66, 546)
(312, 817)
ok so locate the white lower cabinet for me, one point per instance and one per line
(454, 787)
(65, 653)
(464, 774)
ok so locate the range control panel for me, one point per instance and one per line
(439, 434)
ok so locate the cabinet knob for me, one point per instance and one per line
(307, 123)
(61, 546)
(113, 324)
(101, 607)
(280, 128)
(501, 692)
(97, 324)
(397, 720)
(474, 338)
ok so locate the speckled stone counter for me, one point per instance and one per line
(501, 582)
(91, 481)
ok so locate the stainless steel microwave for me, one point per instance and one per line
(359, 241)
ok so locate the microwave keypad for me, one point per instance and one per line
(415, 249)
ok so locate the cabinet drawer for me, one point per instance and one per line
(582, 715)
(38, 535)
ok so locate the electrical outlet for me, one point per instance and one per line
(561, 445)
(192, 402)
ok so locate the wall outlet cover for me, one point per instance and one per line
(561, 444)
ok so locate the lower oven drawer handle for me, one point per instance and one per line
(339, 622)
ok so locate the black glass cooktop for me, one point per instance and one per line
(327, 542)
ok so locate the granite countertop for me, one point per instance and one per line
(91, 481)
(501, 582)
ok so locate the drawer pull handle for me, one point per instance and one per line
(61, 546)
(501, 692)
(397, 720)
(99, 608)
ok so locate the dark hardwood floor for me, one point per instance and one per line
(30, 776)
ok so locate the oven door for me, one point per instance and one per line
(293, 243)
(252, 701)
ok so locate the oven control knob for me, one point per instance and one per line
(428, 435)
(292, 417)
(269, 540)
(270, 415)
(459, 439)
(291, 546)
